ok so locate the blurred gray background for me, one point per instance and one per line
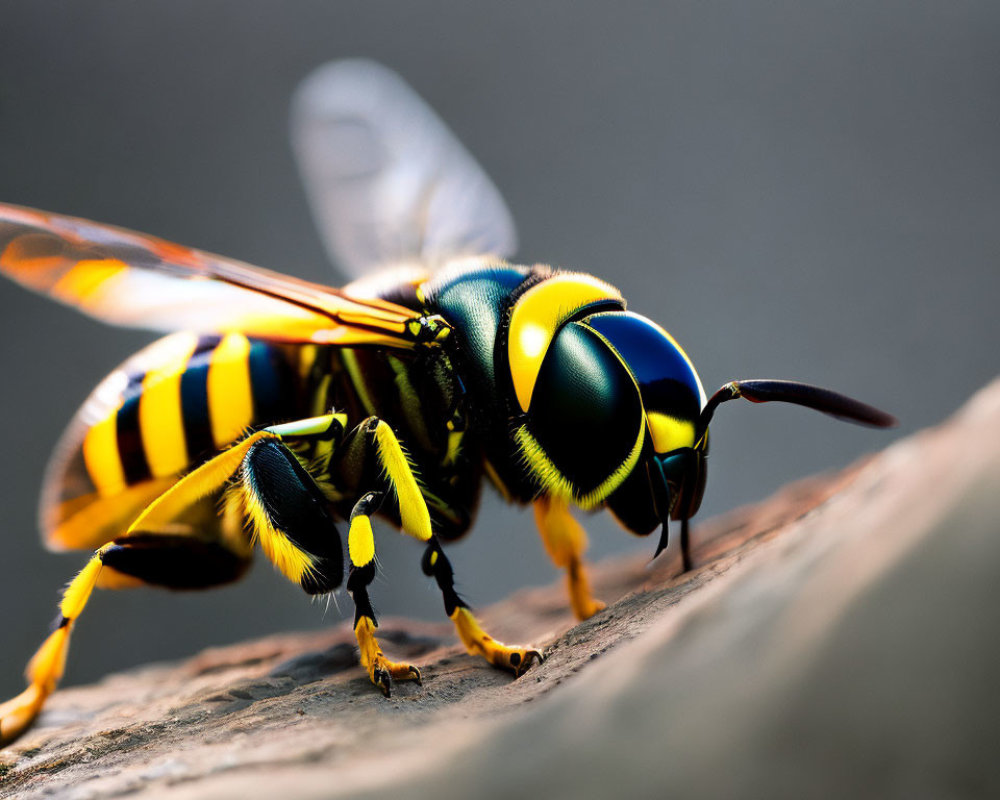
(807, 191)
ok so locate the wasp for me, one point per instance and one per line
(277, 411)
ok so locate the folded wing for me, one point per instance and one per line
(131, 279)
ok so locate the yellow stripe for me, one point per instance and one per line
(100, 454)
(230, 396)
(161, 419)
(350, 362)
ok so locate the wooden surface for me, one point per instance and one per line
(767, 669)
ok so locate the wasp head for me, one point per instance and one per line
(610, 413)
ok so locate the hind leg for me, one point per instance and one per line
(154, 553)
(175, 561)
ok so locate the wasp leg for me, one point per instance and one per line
(361, 548)
(176, 561)
(373, 436)
(686, 564)
(286, 507)
(477, 641)
(290, 517)
(566, 540)
(415, 521)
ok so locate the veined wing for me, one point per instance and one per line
(131, 279)
(388, 183)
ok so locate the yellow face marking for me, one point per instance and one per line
(100, 454)
(669, 433)
(161, 420)
(537, 316)
(361, 541)
(230, 396)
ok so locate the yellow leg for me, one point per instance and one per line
(479, 642)
(416, 522)
(46, 667)
(566, 540)
(381, 670)
(361, 548)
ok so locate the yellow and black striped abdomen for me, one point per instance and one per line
(165, 410)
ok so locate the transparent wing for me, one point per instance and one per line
(127, 278)
(388, 183)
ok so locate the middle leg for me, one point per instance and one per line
(361, 549)
(414, 518)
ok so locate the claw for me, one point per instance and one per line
(530, 657)
(382, 680)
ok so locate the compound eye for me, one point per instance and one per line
(671, 391)
(585, 410)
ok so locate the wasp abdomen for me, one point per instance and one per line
(165, 410)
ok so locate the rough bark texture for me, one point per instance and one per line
(839, 639)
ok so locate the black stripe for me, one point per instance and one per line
(135, 466)
(269, 382)
(194, 400)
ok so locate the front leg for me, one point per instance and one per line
(566, 540)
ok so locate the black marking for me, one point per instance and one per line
(440, 568)
(515, 659)
(131, 452)
(325, 576)
(270, 381)
(357, 585)
(367, 505)
(194, 400)
(296, 508)
(176, 562)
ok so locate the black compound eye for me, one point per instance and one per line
(585, 410)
